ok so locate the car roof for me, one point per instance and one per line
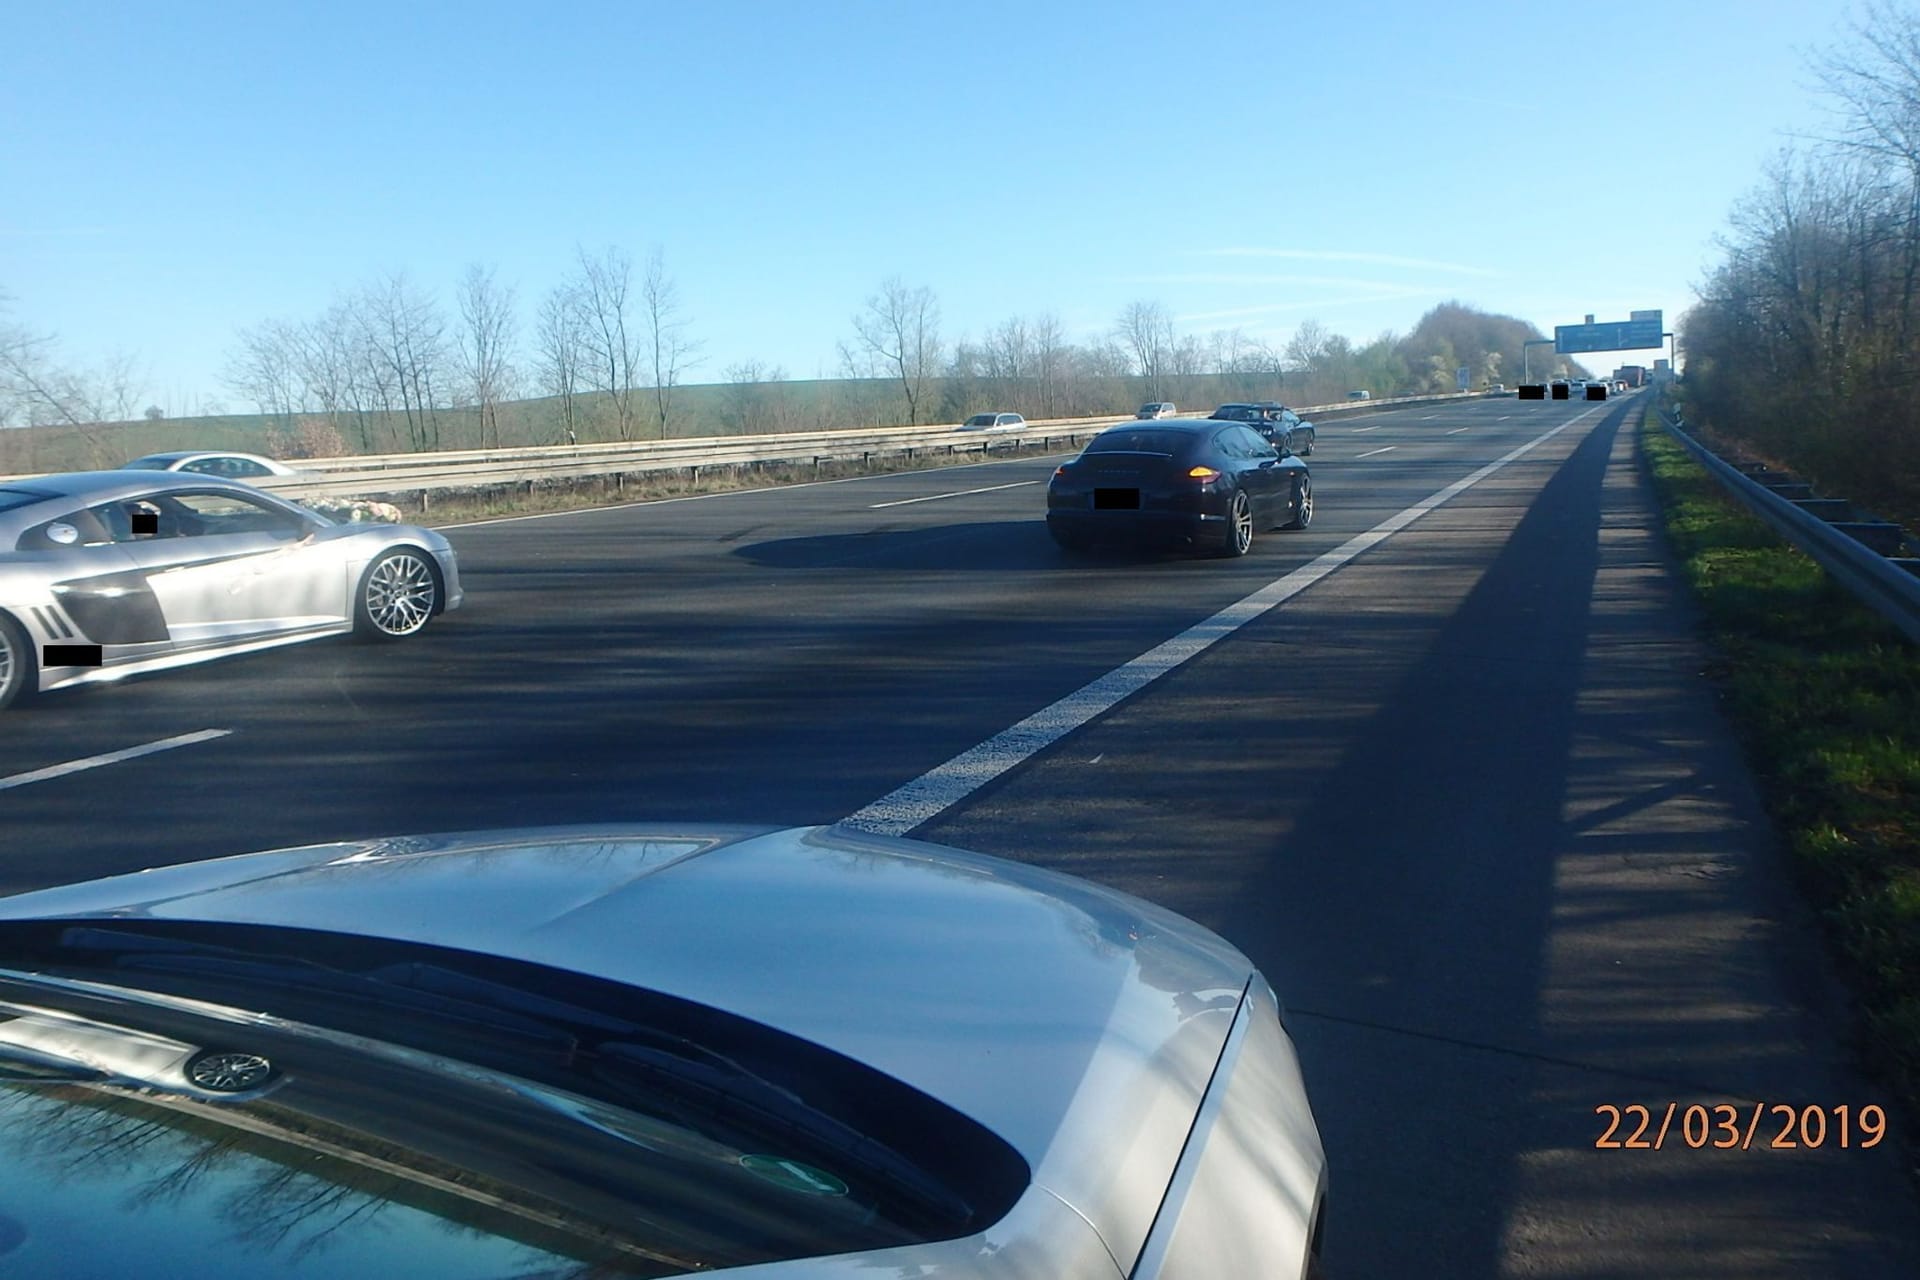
(75, 489)
(1190, 425)
(105, 486)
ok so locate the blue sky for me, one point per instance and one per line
(172, 173)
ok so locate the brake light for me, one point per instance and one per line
(1059, 471)
(1203, 474)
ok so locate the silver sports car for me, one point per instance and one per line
(646, 1051)
(104, 574)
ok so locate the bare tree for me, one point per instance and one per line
(603, 292)
(1308, 348)
(752, 402)
(561, 353)
(673, 352)
(1051, 363)
(1008, 363)
(1145, 331)
(265, 368)
(900, 329)
(486, 346)
(405, 337)
(37, 390)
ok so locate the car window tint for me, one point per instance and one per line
(203, 514)
(1132, 440)
(1253, 446)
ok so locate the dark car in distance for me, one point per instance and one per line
(1275, 421)
(1200, 482)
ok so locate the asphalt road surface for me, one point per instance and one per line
(1443, 764)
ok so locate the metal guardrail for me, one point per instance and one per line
(423, 473)
(1876, 580)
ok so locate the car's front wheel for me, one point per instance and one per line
(16, 660)
(1239, 535)
(229, 1071)
(1302, 506)
(397, 594)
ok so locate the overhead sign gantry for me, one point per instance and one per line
(1640, 330)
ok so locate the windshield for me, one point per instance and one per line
(663, 1130)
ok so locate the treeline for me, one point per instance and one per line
(1806, 340)
(387, 367)
(896, 367)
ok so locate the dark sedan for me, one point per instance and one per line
(1285, 428)
(1193, 481)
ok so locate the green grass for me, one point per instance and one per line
(1826, 697)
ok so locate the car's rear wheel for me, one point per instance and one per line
(397, 594)
(229, 1071)
(16, 660)
(1239, 535)
(1302, 506)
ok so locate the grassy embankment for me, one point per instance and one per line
(1826, 696)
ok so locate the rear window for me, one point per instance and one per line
(155, 463)
(1138, 440)
(980, 420)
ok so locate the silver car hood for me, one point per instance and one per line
(1041, 1006)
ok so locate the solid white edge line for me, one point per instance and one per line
(111, 757)
(1372, 452)
(940, 788)
(958, 493)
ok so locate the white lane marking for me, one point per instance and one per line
(933, 792)
(1371, 452)
(1360, 431)
(111, 757)
(1456, 431)
(1428, 417)
(1503, 417)
(958, 493)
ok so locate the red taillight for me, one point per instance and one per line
(1059, 471)
(1203, 474)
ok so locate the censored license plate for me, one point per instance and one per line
(1116, 499)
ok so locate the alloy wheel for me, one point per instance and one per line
(400, 594)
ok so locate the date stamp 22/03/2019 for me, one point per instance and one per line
(1775, 1126)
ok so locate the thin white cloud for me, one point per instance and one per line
(1316, 304)
(1335, 255)
(1243, 280)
